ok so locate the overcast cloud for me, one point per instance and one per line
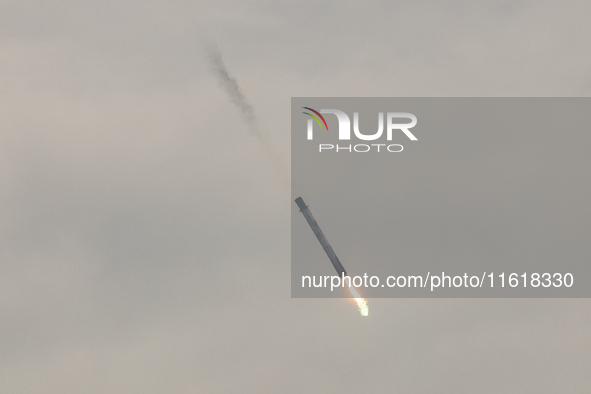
(144, 232)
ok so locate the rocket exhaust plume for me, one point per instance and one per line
(336, 263)
(230, 85)
(232, 88)
(361, 303)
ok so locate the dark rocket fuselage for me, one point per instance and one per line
(321, 238)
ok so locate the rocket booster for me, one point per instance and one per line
(321, 238)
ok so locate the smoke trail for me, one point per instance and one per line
(230, 85)
(237, 97)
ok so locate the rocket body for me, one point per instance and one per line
(321, 238)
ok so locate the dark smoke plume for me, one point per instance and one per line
(230, 85)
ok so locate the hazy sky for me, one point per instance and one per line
(144, 232)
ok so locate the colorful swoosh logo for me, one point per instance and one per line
(315, 118)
